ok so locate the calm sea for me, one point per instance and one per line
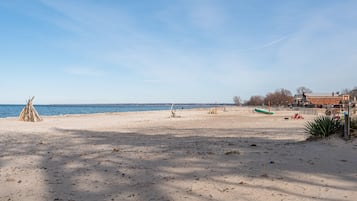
(53, 110)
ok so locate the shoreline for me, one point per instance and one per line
(57, 110)
(220, 107)
(108, 113)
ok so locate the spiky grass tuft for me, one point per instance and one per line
(322, 126)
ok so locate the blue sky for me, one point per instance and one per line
(178, 51)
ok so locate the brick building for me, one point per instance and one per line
(320, 99)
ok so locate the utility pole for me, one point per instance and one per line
(347, 118)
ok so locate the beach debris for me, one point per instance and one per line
(227, 189)
(131, 195)
(297, 116)
(253, 145)
(173, 112)
(42, 142)
(212, 111)
(29, 112)
(232, 152)
(265, 175)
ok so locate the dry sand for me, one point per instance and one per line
(233, 155)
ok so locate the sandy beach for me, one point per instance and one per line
(147, 156)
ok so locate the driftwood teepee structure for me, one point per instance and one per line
(29, 113)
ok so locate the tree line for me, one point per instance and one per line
(283, 97)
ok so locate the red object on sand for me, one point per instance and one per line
(297, 116)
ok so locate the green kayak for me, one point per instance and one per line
(263, 111)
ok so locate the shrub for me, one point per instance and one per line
(322, 126)
(353, 123)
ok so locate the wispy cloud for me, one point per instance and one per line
(91, 19)
(272, 43)
(84, 71)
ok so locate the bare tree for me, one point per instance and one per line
(353, 93)
(346, 91)
(281, 97)
(255, 100)
(237, 100)
(302, 89)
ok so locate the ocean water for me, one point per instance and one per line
(54, 110)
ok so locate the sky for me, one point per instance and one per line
(173, 51)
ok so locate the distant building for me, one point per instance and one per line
(299, 100)
(319, 99)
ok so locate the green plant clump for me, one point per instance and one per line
(322, 126)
